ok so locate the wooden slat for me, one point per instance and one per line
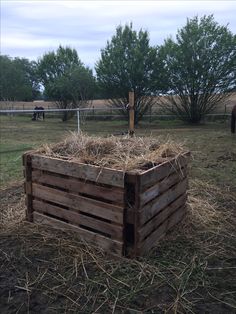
(80, 203)
(159, 203)
(95, 239)
(153, 175)
(150, 242)
(161, 217)
(78, 170)
(113, 194)
(162, 186)
(78, 218)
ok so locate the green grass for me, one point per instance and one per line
(212, 146)
(19, 134)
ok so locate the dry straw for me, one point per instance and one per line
(86, 279)
(12, 213)
(122, 153)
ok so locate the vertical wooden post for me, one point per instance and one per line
(136, 214)
(28, 186)
(131, 113)
(131, 204)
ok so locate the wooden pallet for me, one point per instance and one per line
(159, 198)
(123, 213)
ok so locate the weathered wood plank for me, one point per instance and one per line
(150, 242)
(153, 175)
(109, 245)
(162, 186)
(79, 170)
(77, 218)
(24, 159)
(136, 215)
(80, 203)
(157, 220)
(28, 186)
(159, 203)
(130, 216)
(113, 194)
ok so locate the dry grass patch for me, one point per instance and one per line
(12, 214)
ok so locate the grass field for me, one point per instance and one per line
(212, 145)
(190, 271)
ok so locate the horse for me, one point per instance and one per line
(38, 113)
(233, 119)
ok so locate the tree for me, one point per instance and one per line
(18, 79)
(199, 68)
(65, 79)
(127, 63)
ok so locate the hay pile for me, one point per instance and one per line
(121, 153)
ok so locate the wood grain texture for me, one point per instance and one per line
(154, 175)
(157, 220)
(162, 186)
(27, 162)
(114, 194)
(159, 203)
(109, 245)
(169, 223)
(77, 218)
(78, 170)
(80, 203)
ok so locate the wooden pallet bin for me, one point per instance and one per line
(123, 213)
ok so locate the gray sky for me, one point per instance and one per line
(31, 28)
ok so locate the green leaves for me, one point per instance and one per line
(18, 79)
(65, 79)
(127, 63)
(196, 70)
(56, 64)
(198, 67)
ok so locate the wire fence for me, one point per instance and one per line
(89, 120)
(101, 113)
(18, 133)
(80, 112)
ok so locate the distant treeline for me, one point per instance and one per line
(196, 71)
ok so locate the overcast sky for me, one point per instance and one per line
(31, 28)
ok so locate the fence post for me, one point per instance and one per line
(131, 113)
(78, 121)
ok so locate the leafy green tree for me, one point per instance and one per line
(65, 79)
(18, 80)
(199, 68)
(127, 63)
